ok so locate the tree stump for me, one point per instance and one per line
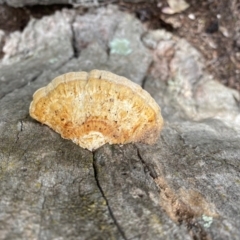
(187, 186)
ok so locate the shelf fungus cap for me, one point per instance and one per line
(96, 108)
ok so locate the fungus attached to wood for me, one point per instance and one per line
(96, 108)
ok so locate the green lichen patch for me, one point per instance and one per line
(120, 46)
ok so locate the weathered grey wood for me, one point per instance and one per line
(184, 187)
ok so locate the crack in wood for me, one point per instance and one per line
(95, 169)
(74, 41)
(176, 209)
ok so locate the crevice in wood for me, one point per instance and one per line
(147, 168)
(74, 46)
(95, 169)
(20, 126)
(176, 209)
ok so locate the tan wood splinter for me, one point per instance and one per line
(96, 108)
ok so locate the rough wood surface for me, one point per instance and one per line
(184, 187)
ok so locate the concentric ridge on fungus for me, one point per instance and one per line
(96, 108)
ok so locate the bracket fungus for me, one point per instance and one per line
(96, 108)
